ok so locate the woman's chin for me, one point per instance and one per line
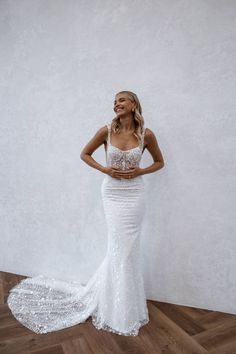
(120, 114)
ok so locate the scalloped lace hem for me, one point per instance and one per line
(105, 327)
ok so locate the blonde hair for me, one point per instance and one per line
(137, 115)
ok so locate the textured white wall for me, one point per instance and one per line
(61, 64)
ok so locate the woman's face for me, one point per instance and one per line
(122, 104)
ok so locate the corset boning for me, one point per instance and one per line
(123, 159)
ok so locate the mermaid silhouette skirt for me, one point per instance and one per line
(114, 296)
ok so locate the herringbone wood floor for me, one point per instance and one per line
(172, 329)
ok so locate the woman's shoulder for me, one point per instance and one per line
(149, 135)
(105, 127)
(103, 131)
(148, 131)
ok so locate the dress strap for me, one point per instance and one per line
(142, 138)
(109, 133)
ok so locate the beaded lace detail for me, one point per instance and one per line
(123, 158)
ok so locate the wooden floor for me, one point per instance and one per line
(172, 329)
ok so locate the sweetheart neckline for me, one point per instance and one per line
(125, 150)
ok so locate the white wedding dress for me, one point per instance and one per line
(114, 296)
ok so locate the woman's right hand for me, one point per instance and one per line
(110, 170)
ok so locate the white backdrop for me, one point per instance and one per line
(62, 63)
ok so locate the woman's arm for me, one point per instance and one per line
(153, 148)
(97, 140)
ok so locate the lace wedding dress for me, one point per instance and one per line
(114, 296)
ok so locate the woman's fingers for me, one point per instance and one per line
(118, 173)
(123, 173)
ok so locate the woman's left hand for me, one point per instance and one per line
(132, 172)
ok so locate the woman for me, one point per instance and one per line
(114, 296)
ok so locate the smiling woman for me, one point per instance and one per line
(114, 296)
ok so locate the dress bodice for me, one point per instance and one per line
(123, 159)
